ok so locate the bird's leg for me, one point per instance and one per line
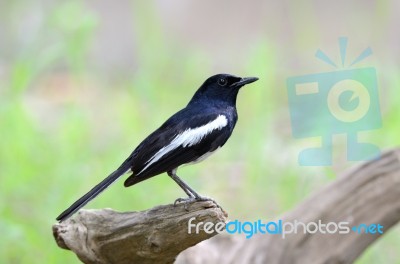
(193, 196)
(189, 191)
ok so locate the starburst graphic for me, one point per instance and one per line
(343, 52)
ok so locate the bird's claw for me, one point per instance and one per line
(185, 201)
(190, 199)
(205, 198)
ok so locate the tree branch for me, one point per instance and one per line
(157, 235)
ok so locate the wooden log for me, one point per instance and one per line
(157, 235)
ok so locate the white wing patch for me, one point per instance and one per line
(188, 138)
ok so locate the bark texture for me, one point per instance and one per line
(157, 235)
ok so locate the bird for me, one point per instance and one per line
(187, 137)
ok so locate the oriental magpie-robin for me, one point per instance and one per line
(189, 136)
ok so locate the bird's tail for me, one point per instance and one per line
(92, 193)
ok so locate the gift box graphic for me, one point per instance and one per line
(337, 102)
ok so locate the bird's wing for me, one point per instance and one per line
(177, 143)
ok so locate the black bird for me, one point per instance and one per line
(189, 136)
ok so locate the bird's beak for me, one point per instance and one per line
(244, 81)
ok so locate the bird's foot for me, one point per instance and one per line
(192, 199)
(205, 198)
(185, 201)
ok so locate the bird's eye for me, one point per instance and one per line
(222, 82)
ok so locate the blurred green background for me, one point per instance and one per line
(83, 82)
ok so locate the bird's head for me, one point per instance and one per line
(221, 87)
